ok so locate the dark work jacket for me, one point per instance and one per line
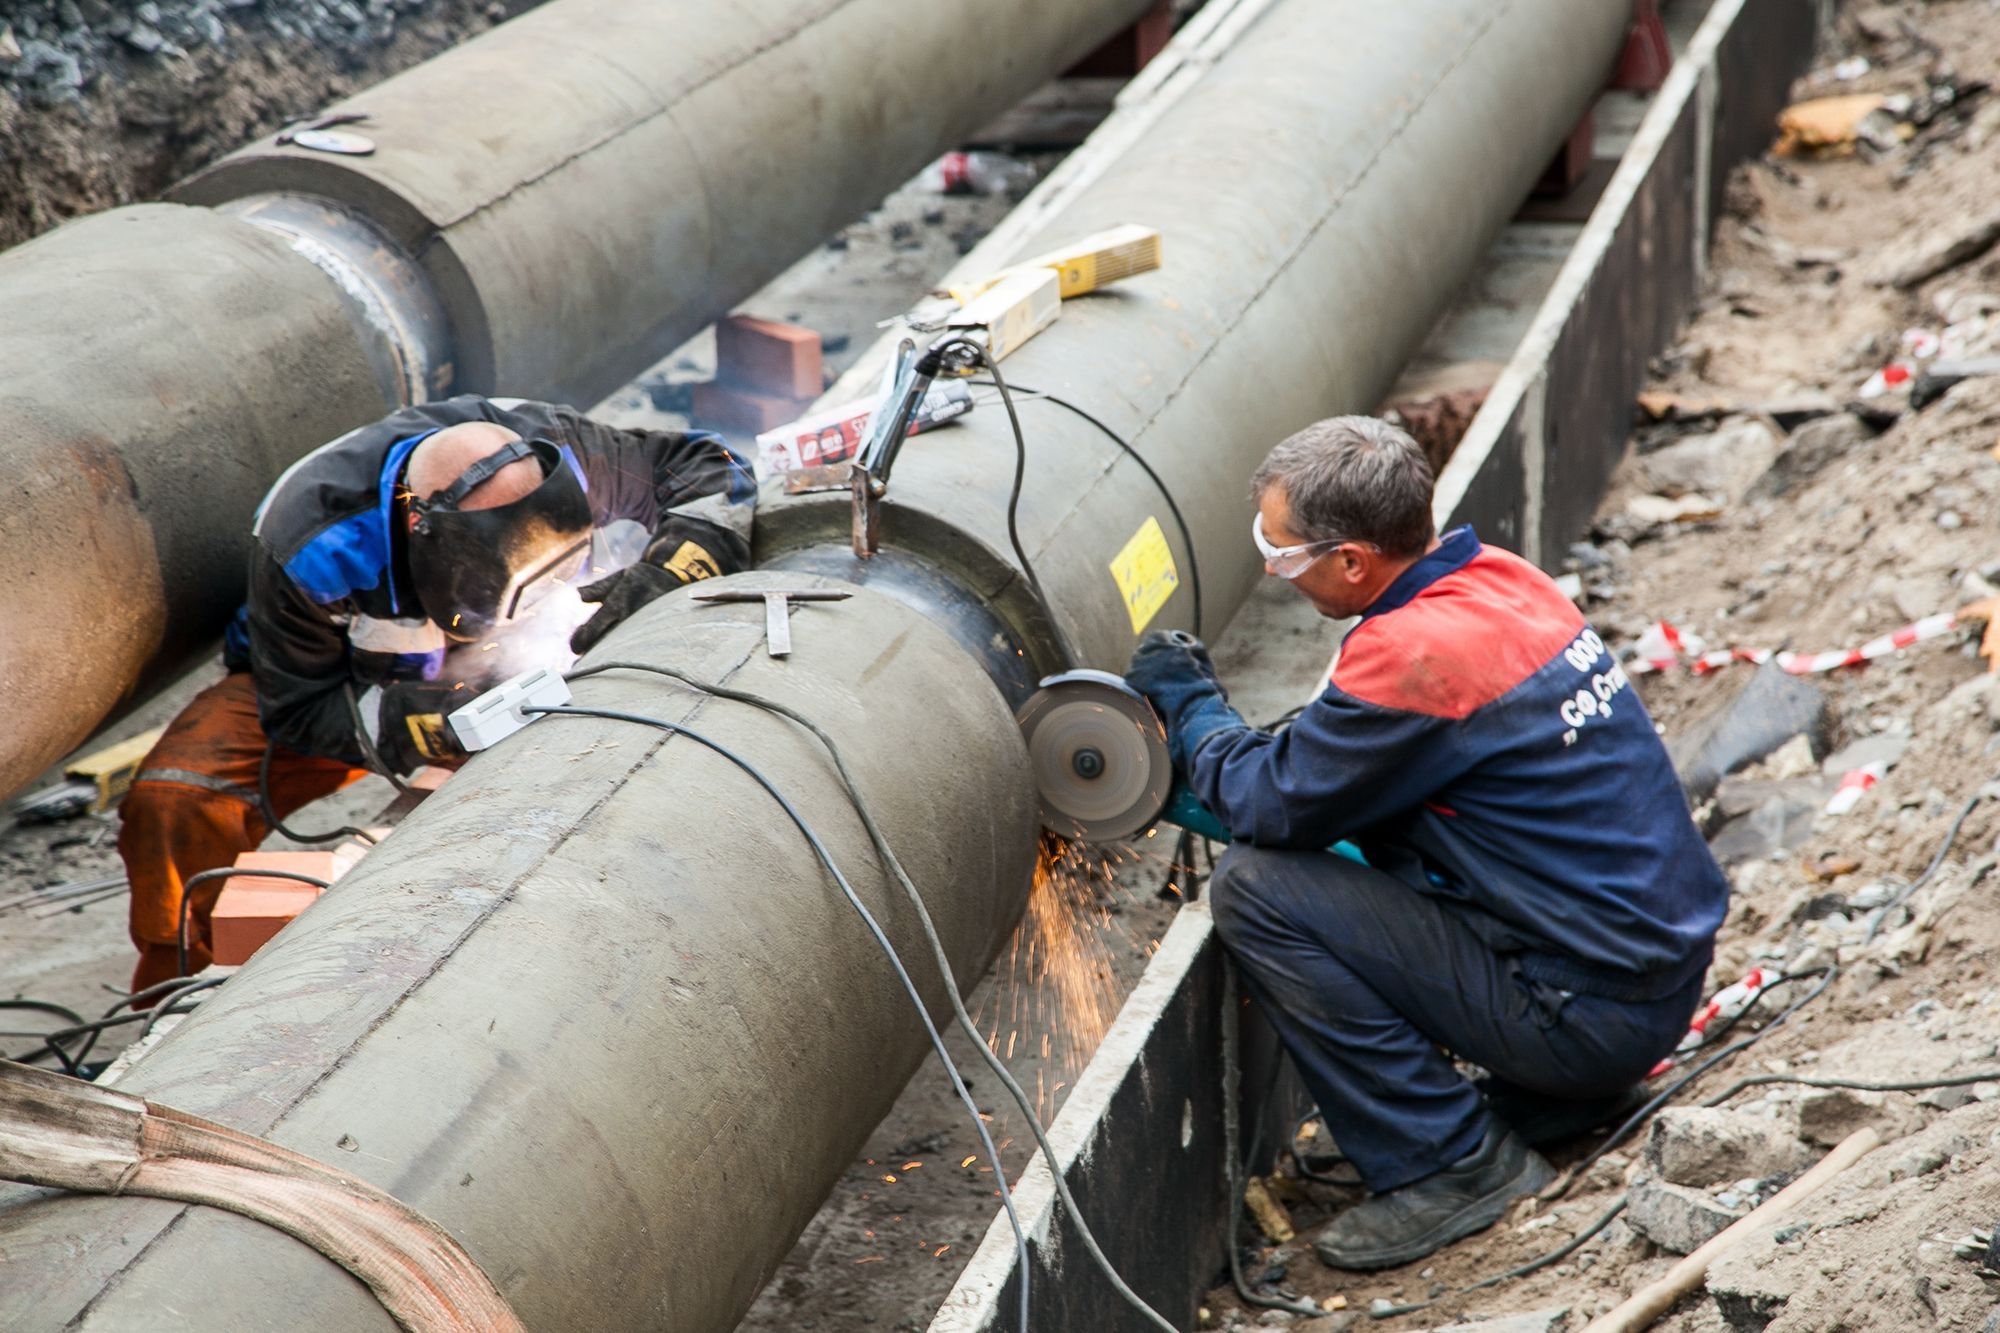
(330, 614)
(1479, 741)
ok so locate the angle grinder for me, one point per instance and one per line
(1100, 759)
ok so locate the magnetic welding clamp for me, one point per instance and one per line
(1099, 755)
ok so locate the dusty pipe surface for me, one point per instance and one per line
(593, 182)
(594, 999)
(159, 366)
(1321, 194)
(579, 189)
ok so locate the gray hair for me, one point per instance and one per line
(1355, 479)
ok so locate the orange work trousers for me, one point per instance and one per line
(193, 807)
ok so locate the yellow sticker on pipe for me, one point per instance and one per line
(1145, 574)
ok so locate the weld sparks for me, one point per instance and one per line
(1058, 979)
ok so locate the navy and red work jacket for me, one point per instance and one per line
(1479, 741)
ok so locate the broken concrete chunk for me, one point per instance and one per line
(1808, 450)
(1886, 749)
(1828, 1115)
(1935, 253)
(1948, 1099)
(1747, 1297)
(1699, 1145)
(1769, 709)
(1674, 1217)
(1722, 464)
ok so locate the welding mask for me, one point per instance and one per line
(475, 570)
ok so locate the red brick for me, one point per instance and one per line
(723, 406)
(1128, 50)
(253, 908)
(767, 357)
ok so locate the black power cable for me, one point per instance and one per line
(1173, 507)
(187, 897)
(271, 820)
(825, 856)
(939, 956)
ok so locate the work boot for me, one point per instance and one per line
(1408, 1223)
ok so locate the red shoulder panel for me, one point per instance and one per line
(1463, 641)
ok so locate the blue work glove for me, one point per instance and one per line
(1172, 669)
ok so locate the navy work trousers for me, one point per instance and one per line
(1364, 978)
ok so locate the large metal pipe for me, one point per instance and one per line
(594, 1008)
(548, 209)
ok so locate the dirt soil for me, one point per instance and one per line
(140, 121)
(1834, 527)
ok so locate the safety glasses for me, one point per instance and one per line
(1288, 562)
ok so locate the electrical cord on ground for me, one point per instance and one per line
(1666, 1094)
(224, 872)
(1173, 508)
(271, 820)
(1233, 1164)
(1903, 895)
(1859, 1085)
(825, 856)
(41, 1007)
(72, 1062)
(939, 956)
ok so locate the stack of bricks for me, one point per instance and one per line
(253, 908)
(766, 374)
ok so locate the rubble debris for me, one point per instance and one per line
(1828, 1115)
(1941, 375)
(1674, 1217)
(1272, 1219)
(1540, 1321)
(1703, 1146)
(1823, 124)
(1935, 253)
(1807, 452)
(1722, 464)
(1658, 509)
(1769, 710)
(1746, 1298)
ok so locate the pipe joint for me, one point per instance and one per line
(403, 327)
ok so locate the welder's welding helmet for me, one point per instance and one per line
(475, 570)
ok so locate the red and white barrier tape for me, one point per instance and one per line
(1728, 1002)
(1854, 784)
(1665, 647)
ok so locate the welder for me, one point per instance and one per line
(1536, 899)
(396, 573)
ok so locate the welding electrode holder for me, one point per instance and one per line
(888, 428)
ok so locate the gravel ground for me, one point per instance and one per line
(104, 104)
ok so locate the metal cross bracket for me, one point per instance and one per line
(777, 609)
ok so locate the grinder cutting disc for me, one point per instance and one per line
(1099, 756)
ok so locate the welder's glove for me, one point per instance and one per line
(1172, 669)
(414, 728)
(676, 558)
